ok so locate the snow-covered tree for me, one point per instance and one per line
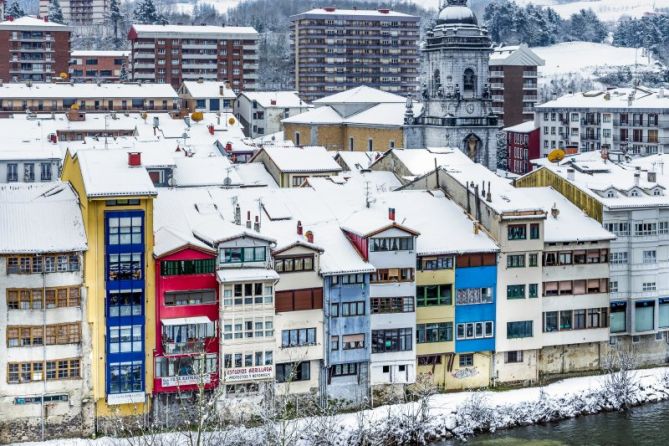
(585, 25)
(124, 75)
(114, 16)
(55, 13)
(146, 13)
(14, 10)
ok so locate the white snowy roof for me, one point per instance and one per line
(518, 55)
(422, 161)
(209, 171)
(99, 53)
(172, 30)
(361, 95)
(300, 159)
(208, 89)
(387, 114)
(356, 13)
(618, 98)
(107, 173)
(571, 223)
(279, 99)
(245, 274)
(27, 22)
(318, 115)
(168, 240)
(523, 127)
(357, 161)
(40, 218)
(60, 90)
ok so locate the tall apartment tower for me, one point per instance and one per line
(176, 53)
(513, 83)
(78, 12)
(33, 49)
(338, 49)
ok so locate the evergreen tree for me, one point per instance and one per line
(55, 13)
(123, 76)
(585, 25)
(14, 10)
(146, 13)
(115, 17)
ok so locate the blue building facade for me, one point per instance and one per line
(475, 288)
(346, 311)
(124, 306)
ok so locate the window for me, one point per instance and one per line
(520, 329)
(513, 357)
(290, 372)
(187, 267)
(32, 299)
(648, 286)
(201, 297)
(126, 266)
(248, 328)
(45, 171)
(334, 343)
(294, 264)
(391, 244)
(515, 261)
(645, 229)
(125, 303)
(435, 263)
(238, 294)
(618, 258)
(392, 340)
(380, 305)
(515, 292)
(534, 231)
(468, 80)
(348, 279)
(650, 256)
(298, 337)
(429, 360)
(437, 332)
(352, 308)
(348, 369)
(242, 255)
(466, 360)
(663, 312)
(431, 295)
(38, 264)
(125, 230)
(534, 260)
(353, 342)
(618, 317)
(517, 232)
(393, 275)
(125, 377)
(189, 365)
(534, 290)
(471, 296)
(475, 330)
(129, 338)
(613, 286)
(621, 229)
(12, 172)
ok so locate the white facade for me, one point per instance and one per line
(262, 112)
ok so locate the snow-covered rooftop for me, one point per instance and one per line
(209, 89)
(27, 22)
(60, 90)
(168, 240)
(517, 55)
(354, 13)
(618, 98)
(361, 95)
(171, 30)
(279, 99)
(107, 173)
(99, 53)
(300, 159)
(40, 218)
(523, 127)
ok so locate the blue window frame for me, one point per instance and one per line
(200, 103)
(126, 377)
(214, 104)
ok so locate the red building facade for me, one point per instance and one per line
(187, 339)
(522, 145)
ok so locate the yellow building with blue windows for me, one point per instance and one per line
(116, 198)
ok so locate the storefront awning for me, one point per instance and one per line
(186, 321)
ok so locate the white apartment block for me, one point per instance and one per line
(45, 348)
(631, 121)
(79, 12)
(261, 113)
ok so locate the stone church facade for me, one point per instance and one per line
(458, 105)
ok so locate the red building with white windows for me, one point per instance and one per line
(522, 145)
(187, 340)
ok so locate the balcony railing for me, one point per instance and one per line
(189, 346)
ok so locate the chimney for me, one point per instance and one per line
(299, 227)
(238, 215)
(476, 227)
(310, 236)
(210, 127)
(555, 211)
(384, 10)
(272, 102)
(488, 197)
(652, 177)
(248, 219)
(46, 18)
(134, 159)
(221, 90)
(256, 225)
(637, 177)
(330, 9)
(391, 214)
(571, 175)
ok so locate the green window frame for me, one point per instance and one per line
(533, 290)
(186, 267)
(515, 292)
(244, 255)
(534, 231)
(519, 329)
(515, 261)
(433, 295)
(517, 232)
(533, 260)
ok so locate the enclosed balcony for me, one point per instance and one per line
(187, 335)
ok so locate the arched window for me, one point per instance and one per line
(469, 80)
(436, 79)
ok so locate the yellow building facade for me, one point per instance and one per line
(119, 275)
(346, 137)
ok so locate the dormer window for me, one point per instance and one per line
(634, 193)
(657, 192)
(610, 194)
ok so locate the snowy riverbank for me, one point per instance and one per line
(446, 415)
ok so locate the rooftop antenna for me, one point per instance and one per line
(368, 195)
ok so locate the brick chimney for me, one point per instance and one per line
(391, 214)
(134, 159)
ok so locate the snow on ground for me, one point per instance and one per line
(452, 412)
(607, 10)
(221, 6)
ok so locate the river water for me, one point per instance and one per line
(646, 425)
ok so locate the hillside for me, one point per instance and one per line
(606, 10)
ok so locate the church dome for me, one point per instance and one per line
(455, 14)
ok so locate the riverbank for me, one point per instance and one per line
(445, 416)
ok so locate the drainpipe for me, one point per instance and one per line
(42, 406)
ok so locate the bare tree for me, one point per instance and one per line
(620, 383)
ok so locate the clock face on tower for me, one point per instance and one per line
(470, 108)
